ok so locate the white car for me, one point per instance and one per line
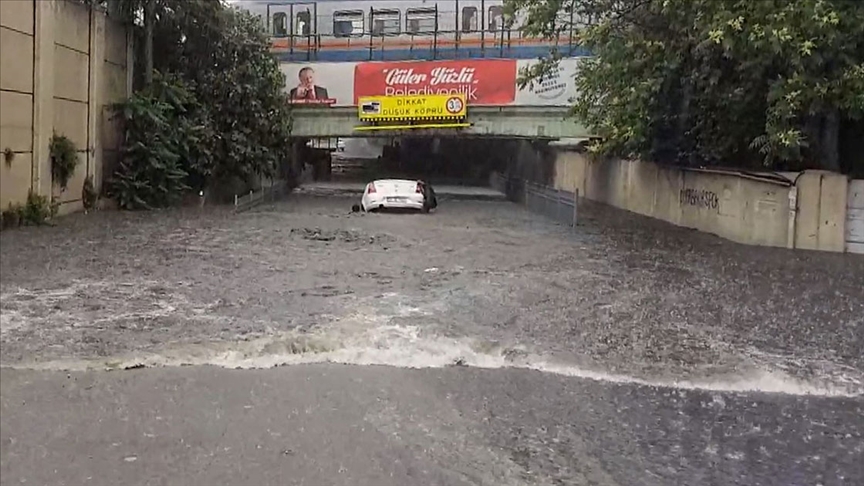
(398, 194)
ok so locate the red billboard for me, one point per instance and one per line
(490, 82)
(483, 81)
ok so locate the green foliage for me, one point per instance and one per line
(37, 211)
(225, 56)
(699, 82)
(218, 116)
(64, 159)
(151, 172)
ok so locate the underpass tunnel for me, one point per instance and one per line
(439, 160)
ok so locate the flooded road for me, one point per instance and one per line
(626, 352)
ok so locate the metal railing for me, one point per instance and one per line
(490, 44)
(555, 204)
(251, 199)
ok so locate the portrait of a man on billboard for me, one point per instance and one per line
(307, 91)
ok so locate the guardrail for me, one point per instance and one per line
(253, 198)
(555, 204)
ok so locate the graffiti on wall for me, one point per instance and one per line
(699, 198)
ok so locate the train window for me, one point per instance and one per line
(386, 21)
(303, 22)
(496, 18)
(347, 23)
(421, 20)
(280, 24)
(469, 19)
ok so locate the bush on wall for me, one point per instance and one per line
(64, 159)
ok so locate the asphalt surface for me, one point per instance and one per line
(476, 345)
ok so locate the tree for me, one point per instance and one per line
(703, 82)
(216, 110)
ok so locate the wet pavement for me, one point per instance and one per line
(519, 352)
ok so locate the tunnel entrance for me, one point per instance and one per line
(439, 160)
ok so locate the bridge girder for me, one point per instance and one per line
(536, 122)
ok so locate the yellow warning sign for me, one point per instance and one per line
(412, 108)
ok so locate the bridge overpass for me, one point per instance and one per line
(536, 122)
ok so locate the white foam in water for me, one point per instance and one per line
(368, 337)
(404, 347)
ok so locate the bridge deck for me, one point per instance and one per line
(547, 122)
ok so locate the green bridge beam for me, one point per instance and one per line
(506, 121)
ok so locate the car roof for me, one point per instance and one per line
(394, 180)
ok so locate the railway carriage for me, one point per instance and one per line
(362, 30)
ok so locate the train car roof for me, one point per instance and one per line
(274, 3)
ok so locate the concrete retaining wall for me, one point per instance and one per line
(61, 65)
(806, 210)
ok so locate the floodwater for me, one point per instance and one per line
(479, 283)
(509, 351)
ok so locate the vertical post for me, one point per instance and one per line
(269, 25)
(572, 8)
(94, 103)
(43, 96)
(558, 217)
(575, 207)
(435, 36)
(793, 216)
(457, 35)
(482, 28)
(290, 28)
(313, 28)
(372, 33)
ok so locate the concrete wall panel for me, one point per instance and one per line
(72, 29)
(16, 121)
(666, 204)
(16, 60)
(832, 212)
(75, 184)
(642, 186)
(115, 43)
(111, 130)
(855, 217)
(17, 15)
(70, 119)
(770, 213)
(736, 207)
(113, 83)
(15, 179)
(66, 96)
(807, 220)
(71, 75)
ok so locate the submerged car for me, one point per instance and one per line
(398, 194)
